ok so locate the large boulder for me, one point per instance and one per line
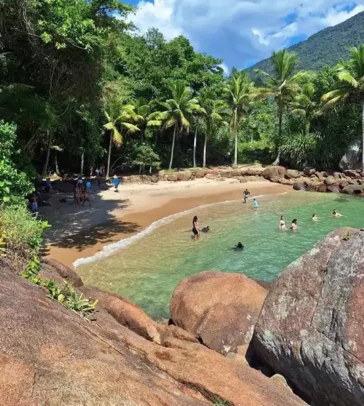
(219, 308)
(274, 172)
(299, 186)
(184, 175)
(311, 329)
(335, 188)
(51, 356)
(292, 174)
(52, 268)
(352, 190)
(309, 171)
(352, 174)
(330, 180)
(352, 157)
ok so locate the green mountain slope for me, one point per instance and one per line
(326, 47)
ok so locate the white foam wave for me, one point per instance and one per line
(111, 249)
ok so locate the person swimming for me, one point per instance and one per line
(255, 203)
(195, 228)
(294, 225)
(239, 247)
(335, 214)
(282, 224)
(314, 217)
(206, 229)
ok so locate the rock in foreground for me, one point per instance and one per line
(311, 326)
(219, 308)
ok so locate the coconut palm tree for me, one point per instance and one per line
(305, 105)
(214, 111)
(351, 87)
(120, 117)
(177, 112)
(239, 96)
(282, 85)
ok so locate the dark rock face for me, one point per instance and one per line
(309, 171)
(274, 172)
(311, 326)
(218, 308)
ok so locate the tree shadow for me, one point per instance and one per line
(81, 226)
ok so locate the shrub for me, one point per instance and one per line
(22, 231)
(256, 151)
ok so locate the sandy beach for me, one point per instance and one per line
(81, 231)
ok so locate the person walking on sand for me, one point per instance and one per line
(255, 204)
(246, 195)
(294, 225)
(116, 182)
(195, 228)
(282, 224)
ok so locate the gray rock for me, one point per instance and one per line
(292, 174)
(311, 329)
(330, 180)
(352, 190)
(352, 157)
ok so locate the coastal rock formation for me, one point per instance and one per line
(220, 309)
(311, 329)
(64, 272)
(51, 356)
(274, 172)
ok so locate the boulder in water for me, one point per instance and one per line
(311, 330)
(220, 309)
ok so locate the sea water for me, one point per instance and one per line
(148, 269)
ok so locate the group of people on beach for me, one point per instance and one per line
(314, 218)
(82, 190)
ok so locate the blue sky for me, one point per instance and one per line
(241, 32)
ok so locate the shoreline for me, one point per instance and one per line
(110, 223)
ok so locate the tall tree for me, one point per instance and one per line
(177, 113)
(282, 85)
(239, 95)
(351, 88)
(120, 116)
(214, 115)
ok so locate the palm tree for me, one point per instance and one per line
(120, 116)
(177, 112)
(352, 86)
(239, 95)
(282, 84)
(305, 105)
(214, 112)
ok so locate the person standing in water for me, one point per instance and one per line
(314, 217)
(294, 225)
(282, 224)
(336, 214)
(255, 203)
(246, 195)
(195, 228)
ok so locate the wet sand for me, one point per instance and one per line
(80, 232)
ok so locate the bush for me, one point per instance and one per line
(21, 230)
(298, 150)
(256, 151)
(14, 184)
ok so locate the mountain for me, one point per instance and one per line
(326, 47)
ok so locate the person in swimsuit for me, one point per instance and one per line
(336, 214)
(282, 224)
(255, 204)
(206, 229)
(294, 225)
(246, 195)
(195, 228)
(239, 247)
(314, 218)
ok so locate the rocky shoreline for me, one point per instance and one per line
(348, 181)
(229, 342)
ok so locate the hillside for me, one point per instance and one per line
(326, 47)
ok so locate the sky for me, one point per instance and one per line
(241, 32)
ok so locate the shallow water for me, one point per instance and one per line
(147, 271)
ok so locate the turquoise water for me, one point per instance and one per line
(147, 271)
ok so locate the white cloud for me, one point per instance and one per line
(241, 31)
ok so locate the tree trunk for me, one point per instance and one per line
(204, 151)
(109, 156)
(236, 137)
(173, 144)
(278, 140)
(56, 162)
(362, 131)
(194, 148)
(155, 145)
(46, 163)
(91, 170)
(82, 163)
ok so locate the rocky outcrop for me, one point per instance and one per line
(310, 329)
(352, 157)
(53, 269)
(274, 172)
(220, 309)
(51, 356)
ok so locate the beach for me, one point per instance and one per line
(82, 231)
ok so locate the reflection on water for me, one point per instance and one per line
(148, 271)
